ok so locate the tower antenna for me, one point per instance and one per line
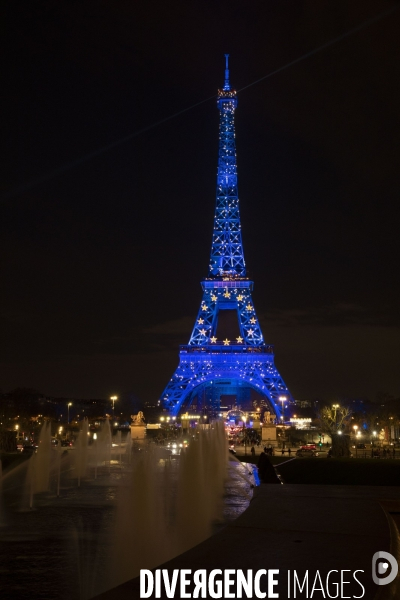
(227, 84)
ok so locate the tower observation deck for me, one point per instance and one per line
(226, 362)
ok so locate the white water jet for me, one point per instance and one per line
(96, 458)
(31, 475)
(128, 446)
(202, 473)
(140, 524)
(58, 472)
(40, 464)
(153, 524)
(104, 443)
(81, 454)
(118, 447)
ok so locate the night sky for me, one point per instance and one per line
(102, 263)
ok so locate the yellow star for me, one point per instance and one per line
(213, 339)
(226, 342)
(214, 298)
(253, 321)
(202, 331)
(240, 297)
(239, 340)
(204, 307)
(227, 294)
(249, 307)
(250, 331)
(200, 321)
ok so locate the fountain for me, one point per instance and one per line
(104, 444)
(128, 447)
(157, 524)
(200, 485)
(105, 512)
(40, 465)
(118, 445)
(82, 452)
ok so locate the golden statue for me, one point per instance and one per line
(137, 419)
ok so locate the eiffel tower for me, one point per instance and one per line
(212, 368)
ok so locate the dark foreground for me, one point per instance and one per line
(351, 471)
(302, 528)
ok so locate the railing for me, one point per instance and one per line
(232, 349)
(240, 283)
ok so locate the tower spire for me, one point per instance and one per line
(227, 84)
(227, 258)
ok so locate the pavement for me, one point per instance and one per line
(302, 528)
(245, 451)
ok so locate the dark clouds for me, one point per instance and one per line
(101, 265)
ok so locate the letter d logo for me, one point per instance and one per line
(381, 568)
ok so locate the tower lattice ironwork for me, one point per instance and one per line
(210, 367)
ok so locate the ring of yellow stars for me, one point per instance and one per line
(250, 332)
(214, 298)
(200, 321)
(227, 294)
(239, 340)
(204, 307)
(249, 307)
(240, 297)
(213, 339)
(226, 342)
(203, 331)
(253, 321)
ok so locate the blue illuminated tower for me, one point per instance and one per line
(212, 366)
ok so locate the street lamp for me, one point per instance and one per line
(113, 399)
(68, 405)
(283, 438)
(244, 433)
(355, 427)
(283, 399)
(374, 438)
